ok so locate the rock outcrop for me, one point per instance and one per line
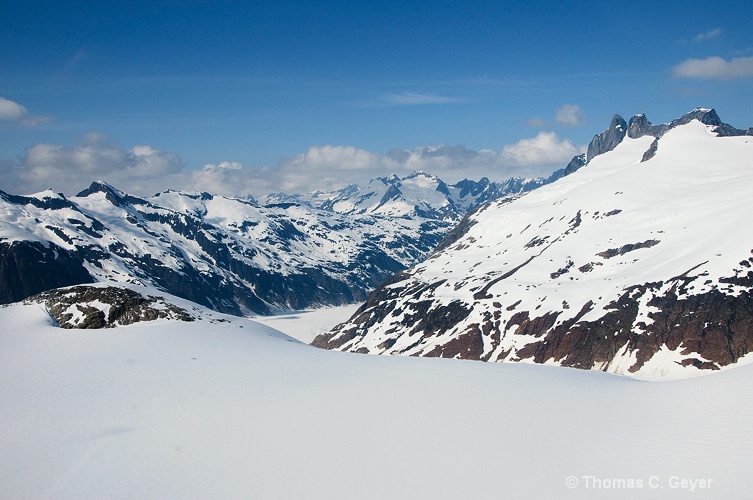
(91, 307)
(609, 139)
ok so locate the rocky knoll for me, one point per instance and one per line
(105, 307)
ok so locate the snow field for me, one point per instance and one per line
(233, 409)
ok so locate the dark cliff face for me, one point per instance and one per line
(28, 267)
(609, 139)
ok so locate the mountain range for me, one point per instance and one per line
(234, 255)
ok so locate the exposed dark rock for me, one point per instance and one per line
(458, 232)
(638, 126)
(576, 163)
(651, 151)
(28, 267)
(49, 202)
(467, 345)
(614, 252)
(609, 139)
(89, 307)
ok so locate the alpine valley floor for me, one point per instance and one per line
(225, 407)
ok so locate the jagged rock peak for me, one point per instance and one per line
(577, 162)
(640, 126)
(609, 139)
(704, 115)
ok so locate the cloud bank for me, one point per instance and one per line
(715, 68)
(145, 170)
(70, 169)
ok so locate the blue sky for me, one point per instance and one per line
(250, 97)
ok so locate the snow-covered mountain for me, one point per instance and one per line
(226, 253)
(638, 263)
(235, 255)
(416, 195)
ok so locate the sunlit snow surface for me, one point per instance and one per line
(546, 251)
(223, 407)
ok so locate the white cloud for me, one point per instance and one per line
(10, 110)
(544, 149)
(715, 68)
(70, 169)
(14, 112)
(222, 166)
(708, 35)
(570, 115)
(225, 178)
(326, 167)
(332, 167)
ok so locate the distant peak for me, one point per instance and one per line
(419, 173)
(98, 187)
(112, 194)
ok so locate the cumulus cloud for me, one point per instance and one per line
(326, 167)
(70, 169)
(545, 149)
(13, 112)
(332, 167)
(715, 68)
(570, 115)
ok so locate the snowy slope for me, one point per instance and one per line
(222, 407)
(634, 264)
